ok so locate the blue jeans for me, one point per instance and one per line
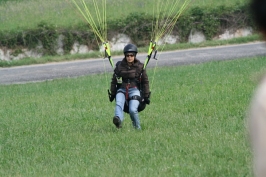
(133, 106)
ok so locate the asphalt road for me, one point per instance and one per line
(50, 71)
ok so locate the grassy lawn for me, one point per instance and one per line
(194, 126)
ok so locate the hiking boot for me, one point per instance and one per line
(117, 122)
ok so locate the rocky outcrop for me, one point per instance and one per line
(117, 43)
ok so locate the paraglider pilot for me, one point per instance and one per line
(129, 87)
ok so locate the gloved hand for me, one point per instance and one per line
(147, 100)
(111, 97)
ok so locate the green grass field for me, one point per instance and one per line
(194, 126)
(25, 14)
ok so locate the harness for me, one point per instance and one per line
(134, 97)
(140, 98)
(121, 80)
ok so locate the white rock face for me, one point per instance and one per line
(60, 44)
(243, 32)
(8, 54)
(168, 39)
(75, 48)
(4, 54)
(83, 49)
(79, 49)
(230, 34)
(32, 53)
(226, 35)
(196, 37)
(119, 42)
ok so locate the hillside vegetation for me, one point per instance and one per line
(27, 14)
(27, 23)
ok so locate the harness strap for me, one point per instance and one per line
(130, 80)
(134, 97)
(127, 87)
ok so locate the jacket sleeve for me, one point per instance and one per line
(113, 85)
(145, 83)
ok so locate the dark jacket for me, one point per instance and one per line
(131, 75)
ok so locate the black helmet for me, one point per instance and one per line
(130, 48)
